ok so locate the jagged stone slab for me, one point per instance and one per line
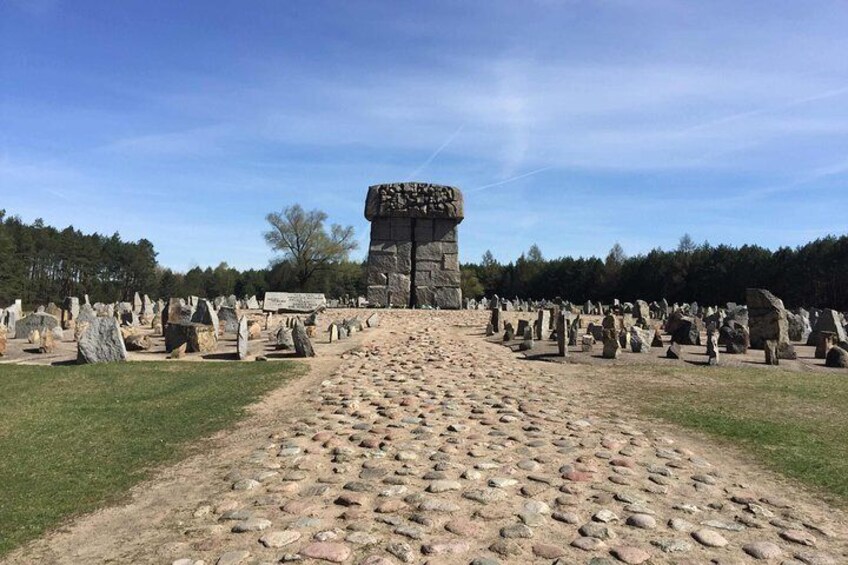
(101, 342)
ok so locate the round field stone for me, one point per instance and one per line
(327, 551)
(762, 550)
(630, 555)
(709, 538)
(548, 551)
(642, 521)
(279, 538)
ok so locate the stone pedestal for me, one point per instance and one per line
(413, 259)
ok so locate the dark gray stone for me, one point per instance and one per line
(688, 331)
(837, 358)
(228, 319)
(302, 343)
(205, 314)
(38, 321)
(612, 345)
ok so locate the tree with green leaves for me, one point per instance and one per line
(306, 244)
(469, 283)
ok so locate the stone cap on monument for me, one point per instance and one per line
(414, 200)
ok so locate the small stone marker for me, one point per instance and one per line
(786, 351)
(543, 324)
(562, 334)
(527, 344)
(242, 339)
(674, 351)
(640, 340)
(509, 332)
(302, 343)
(495, 318)
(825, 341)
(612, 347)
(47, 344)
(283, 339)
(178, 352)
(712, 347)
(201, 338)
(373, 320)
(837, 358)
(770, 347)
(137, 342)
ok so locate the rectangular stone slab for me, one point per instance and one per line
(293, 301)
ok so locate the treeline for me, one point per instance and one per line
(41, 264)
(339, 279)
(815, 274)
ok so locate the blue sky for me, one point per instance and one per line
(568, 124)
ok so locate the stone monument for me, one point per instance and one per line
(413, 259)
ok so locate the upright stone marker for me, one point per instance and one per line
(543, 324)
(562, 334)
(302, 343)
(413, 259)
(101, 342)
(767, 318)
(242, 339)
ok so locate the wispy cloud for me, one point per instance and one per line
(205, 141)
(435, 153)
(509, 180)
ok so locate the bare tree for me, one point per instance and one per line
(305, 243)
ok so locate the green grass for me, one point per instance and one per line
(74, 438)
(795, 423)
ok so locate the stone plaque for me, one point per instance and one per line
(293, 301)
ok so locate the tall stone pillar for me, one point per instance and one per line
(413, 259)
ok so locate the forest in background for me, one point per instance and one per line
(40, 263)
